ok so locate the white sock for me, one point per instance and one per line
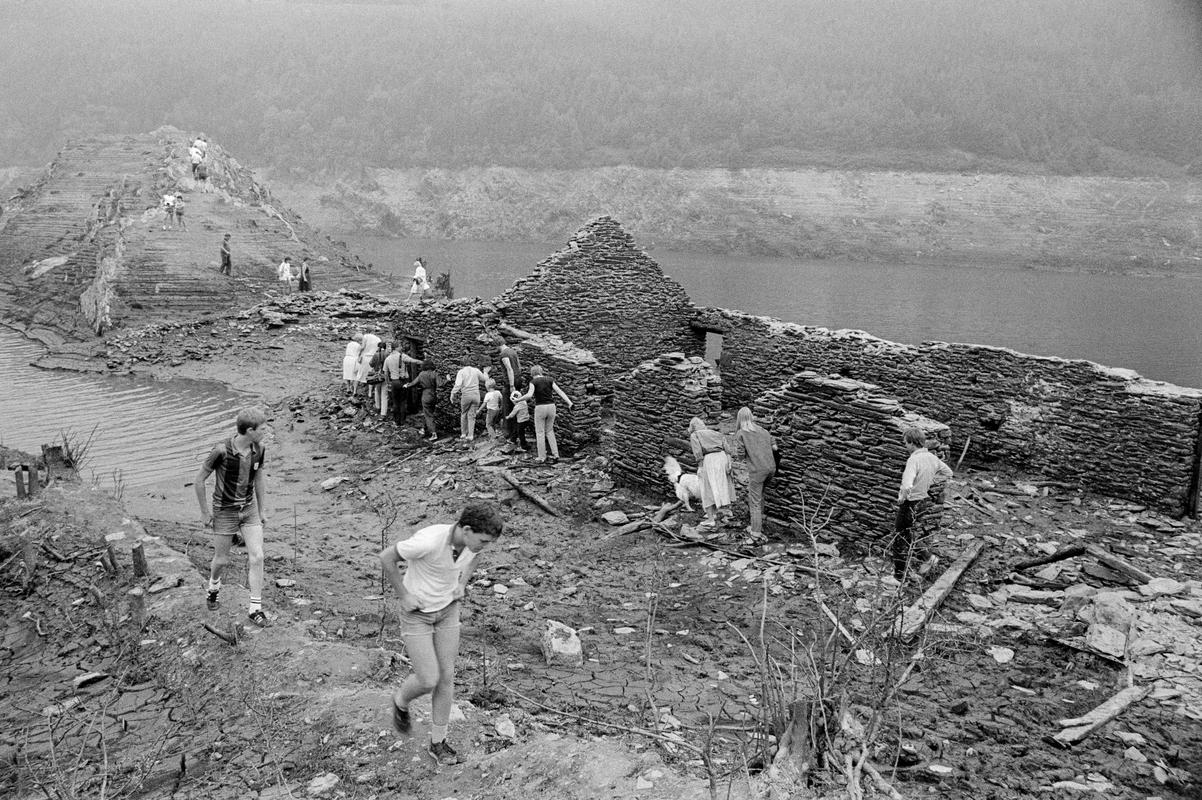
(438, 733)
(214, 586)
(256, 604)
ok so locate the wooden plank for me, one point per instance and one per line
(915, 618)
(1078, 728)
(1119, 565)
(1059, 555)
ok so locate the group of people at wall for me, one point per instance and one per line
(393, 377)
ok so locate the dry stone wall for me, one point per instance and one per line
(603, 293)
(841, 452)
(578, 373)
(653, 405)
(1107, 429)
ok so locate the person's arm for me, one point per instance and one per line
(261, 495)
(943, 473)
(560, 392)
(390, 561)
(695, 444)
(206, 514)
(513, 413)
(529, 393)
(508, 364)
(907, 481)
(465, 574)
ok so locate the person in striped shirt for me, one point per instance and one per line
(239, 505)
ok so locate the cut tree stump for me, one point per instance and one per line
(915, 618)
(138, 553)
(1078, 728)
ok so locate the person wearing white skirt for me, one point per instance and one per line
(350, 361)
(713, 470)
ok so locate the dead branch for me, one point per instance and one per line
(1059, 555)
(665, 510)
(1078, 728)
(1118, 564)
(916, 616)
(512, 480)
(228, 638)
(882, 785)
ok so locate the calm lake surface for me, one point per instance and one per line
(1148, 324)
(146, 431)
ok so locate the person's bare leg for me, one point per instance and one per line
(253, 536)
(446, 649)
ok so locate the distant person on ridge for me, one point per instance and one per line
(304, 279)
(179, 212)
(421, 284)
(284, 272)
(227, 266)
(239, 506)
(169, 210)
(196, 155)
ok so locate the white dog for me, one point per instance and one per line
(686, 486)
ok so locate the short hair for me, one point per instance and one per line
(535, 371)
(490, 383)
(250, 417)
(227, 236)
(696, 424)
(499, 341)
(482, 518)
(427, 364)
(398, 345)
(915, 437)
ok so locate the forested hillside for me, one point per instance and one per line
(1063, 86)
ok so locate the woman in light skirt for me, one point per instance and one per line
(713, 469)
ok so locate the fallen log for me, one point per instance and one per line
(665, 510)
(1078, 728)
(915, 618)
(529, 495)
(632, 527)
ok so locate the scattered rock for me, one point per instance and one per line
(1002, 655)
(1160, 587)
(615, 517)
(1189, 608)
(561, 645)
(322, 784)
(285, 583)
(505, 727)
(1130, 737)
(330, 483)
(500, 588)
(1133, 754)
(624, 631)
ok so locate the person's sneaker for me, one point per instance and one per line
(444, 754)
(211, 602)
(400, 719)
(258, 618)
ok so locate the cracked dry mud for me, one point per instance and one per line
(300, 708)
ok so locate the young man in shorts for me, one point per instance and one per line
(440, 560)
(239, 506)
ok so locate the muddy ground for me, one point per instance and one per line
(692, 648)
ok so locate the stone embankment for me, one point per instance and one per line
(83, 249)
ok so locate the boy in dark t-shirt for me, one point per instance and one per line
(239, 505)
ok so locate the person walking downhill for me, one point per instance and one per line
(923, 470)
(427, 379)
(713, 469)
(467, 389)
(227, 264)
(439, 562)
(543, 390)
(760, 448)
(239, 506)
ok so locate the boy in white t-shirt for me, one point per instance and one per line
(439, 561)
(491, 404)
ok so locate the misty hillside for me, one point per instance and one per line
(1073, 86)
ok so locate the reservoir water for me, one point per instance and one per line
(1146, 323)
(146, 431)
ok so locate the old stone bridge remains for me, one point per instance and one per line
(627, 344)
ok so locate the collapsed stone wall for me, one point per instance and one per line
(1108, 429)
(603, 293)
(653, 404)
(841, 453)
(574, 370)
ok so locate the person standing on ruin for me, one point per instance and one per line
(420, 284)
(713, 469)
(543, 390)
(239, 506)
(467, 389)
(923, 470)
(761, 452)
(227, 264)
(439, 562)
(511, 370)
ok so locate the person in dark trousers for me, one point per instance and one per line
(427, 379)
(304, 282)
(511, 370)
(239, 505)
(923, 470)
(227, 267)
(439, 561)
